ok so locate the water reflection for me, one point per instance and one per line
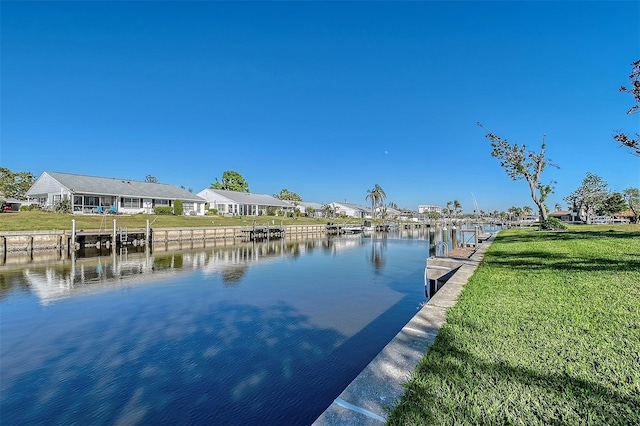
(57, 275)
(377, 254)
(78, 275)
(224, 335)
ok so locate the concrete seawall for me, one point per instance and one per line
(39, 243)
(368, 397)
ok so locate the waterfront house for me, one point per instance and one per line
(386, 212)
(351, 210)
(567, 216)
(426, 209)
(318, 209)
(91, 194)
(238, 203)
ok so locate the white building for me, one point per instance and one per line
(351, 210)
(91, 194)
(426, 209)
(243, 203)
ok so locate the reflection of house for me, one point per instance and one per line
(243, 203)
(89, 194)
(351, 210)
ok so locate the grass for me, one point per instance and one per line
(547, 331)
(44, 221)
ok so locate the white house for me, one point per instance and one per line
(243, 203)
(90, 194)
(426, 209)
(351, 210)
(318, 209)
(386, 212)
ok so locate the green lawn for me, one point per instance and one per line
(547, 331)
(44, 221)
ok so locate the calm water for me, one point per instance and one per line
(260, 333)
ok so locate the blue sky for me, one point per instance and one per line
(325, 99)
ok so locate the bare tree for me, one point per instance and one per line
(589, 195)
(632, 197)
(623, 138)
(522, 164)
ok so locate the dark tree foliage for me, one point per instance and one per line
(231, 181)
(634, 90)
(614, 204)
(178, 208)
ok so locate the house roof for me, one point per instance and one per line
(353, 206)
(558, 213)
(391, 210)
(626, 213)
(305, 204)
(118, 187)
(251, 199)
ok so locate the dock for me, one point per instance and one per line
(263, 232)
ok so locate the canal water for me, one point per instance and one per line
(256, 333)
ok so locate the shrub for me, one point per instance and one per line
(552, 223)
(178, 208)
(213, 211)
(63, 206)
(163, 211)
(30, 208)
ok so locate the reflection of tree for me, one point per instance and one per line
(10, 282)
(310, 245)
(377, 255)
(234, 276)
(293, 248)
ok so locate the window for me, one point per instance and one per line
(162, 202)
(130, 202)
(91, 201)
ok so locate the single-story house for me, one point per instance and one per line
(318, 209)
(351, 210)
(243, 203)
(90, 194)
(567, 216)
(426, 209)
(385, 212)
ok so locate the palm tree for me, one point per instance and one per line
(457, 207)
(449, 208)
(515, 212)
(377, 196)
